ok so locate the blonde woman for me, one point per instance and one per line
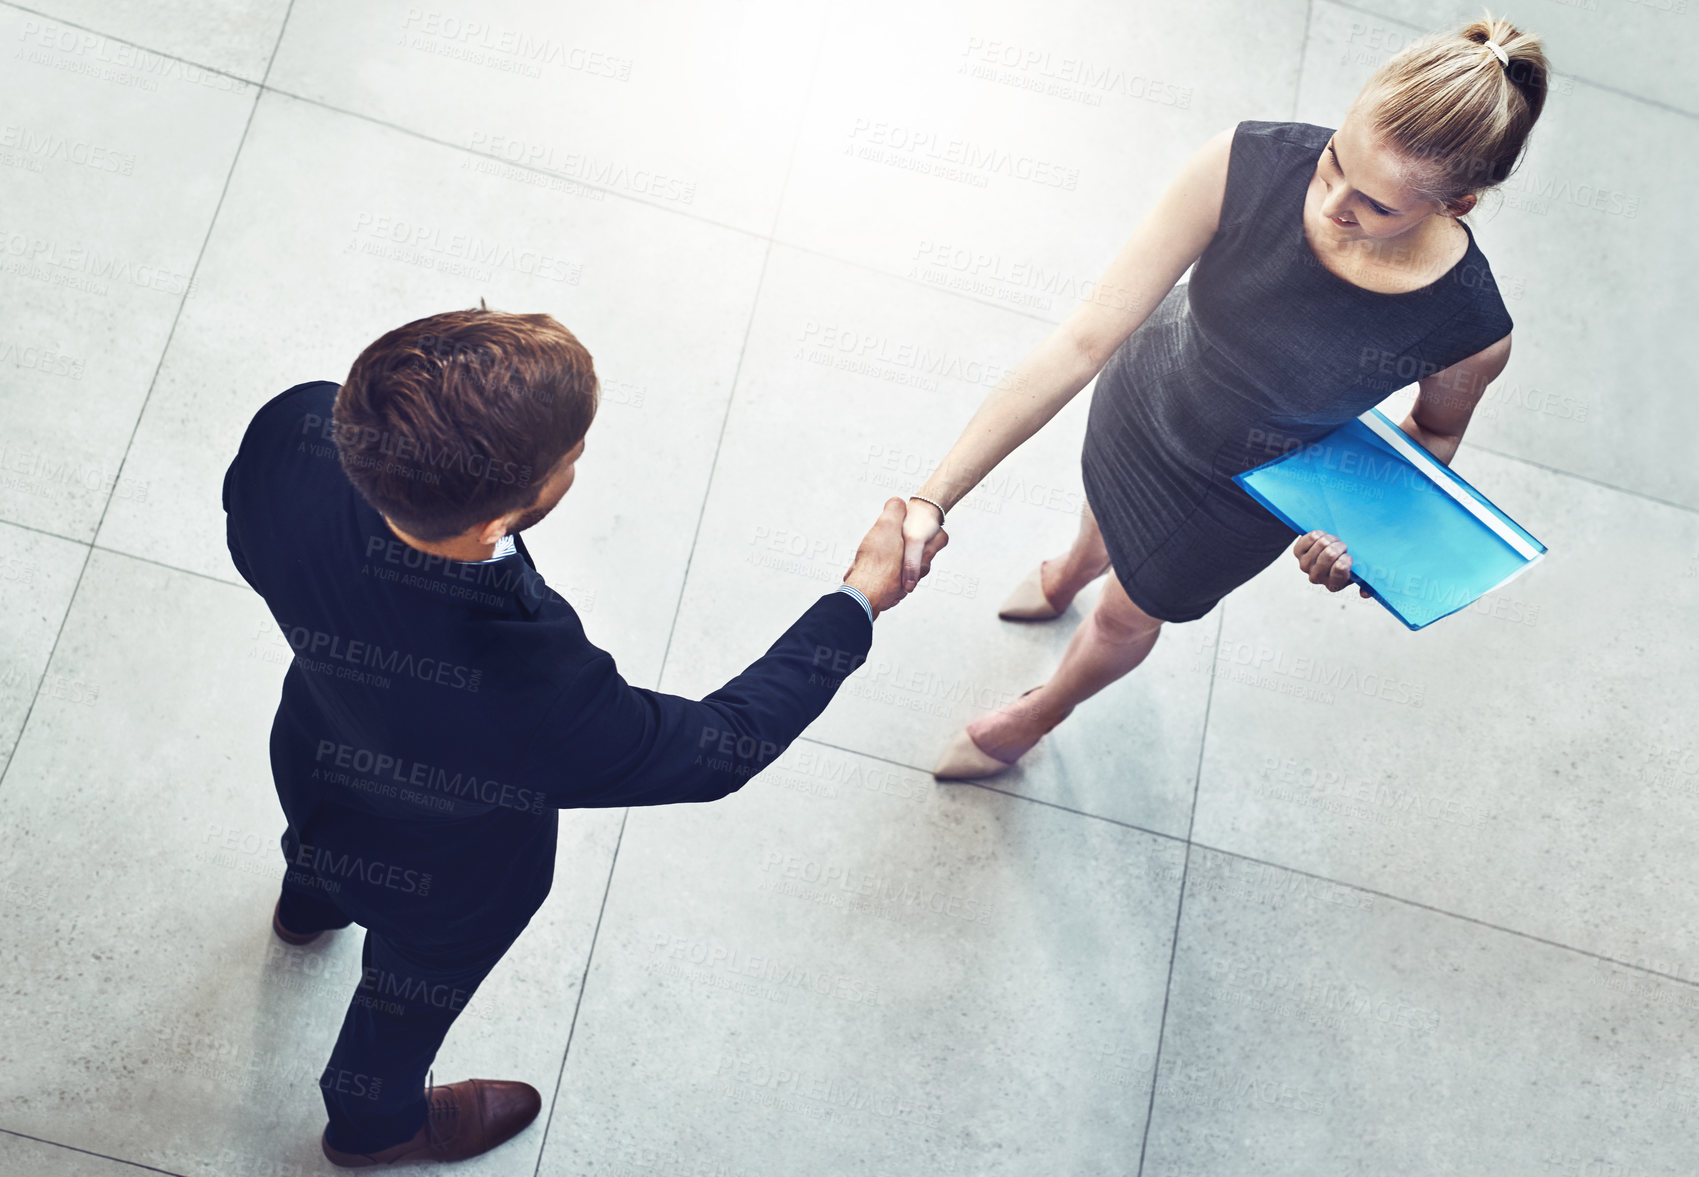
(1331, 269)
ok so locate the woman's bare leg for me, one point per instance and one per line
(1064, 576)
(1112, 640)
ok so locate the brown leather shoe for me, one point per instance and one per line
(284, 934)
(466, 1118)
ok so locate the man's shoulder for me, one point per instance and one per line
(294, 404)
(301, 413)
(285, 452)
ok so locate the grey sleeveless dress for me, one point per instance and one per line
(1263, 349)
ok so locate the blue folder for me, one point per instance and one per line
(1422, 540)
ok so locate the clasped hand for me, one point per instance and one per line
(1323, 559)
(893, 556)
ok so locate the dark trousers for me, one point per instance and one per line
(407, 998)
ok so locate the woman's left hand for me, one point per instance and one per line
(1323, 559)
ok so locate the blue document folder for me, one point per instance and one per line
(1423, 541)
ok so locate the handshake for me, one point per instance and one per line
(897, 552)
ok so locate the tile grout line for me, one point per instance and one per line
(262, 87)
(71, 24)
(1155, 833)
(1588, 479)
(981, 785)
(714, 462)
(200, 256)
(743, 346)
(731, 394)
(1269, 863)
(90, 1153)
(1606, 87)
(863, 267)
(266, 87)
(578, 1003)
(1644, 496)
(1692, 983)
(772, 240)
(88, 555)
(1303, 56)
(449, 145)
(1203, 739)
(1179, 903)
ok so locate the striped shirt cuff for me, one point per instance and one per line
(857, 594)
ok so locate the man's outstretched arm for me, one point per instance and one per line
(607, 743)
(633, 746)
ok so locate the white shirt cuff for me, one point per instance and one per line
(858, 595)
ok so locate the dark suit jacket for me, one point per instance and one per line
(437, 714)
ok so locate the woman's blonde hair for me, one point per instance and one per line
(1460, 116)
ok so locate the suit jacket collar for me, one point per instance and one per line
(510, 585)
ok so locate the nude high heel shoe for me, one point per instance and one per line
(964, 760)
(1028, 602)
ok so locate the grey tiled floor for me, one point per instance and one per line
(1422, 906)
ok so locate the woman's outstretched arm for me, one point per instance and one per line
(1168, 240)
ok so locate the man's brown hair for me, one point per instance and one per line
(455, 419)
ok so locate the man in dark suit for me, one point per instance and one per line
(444, 703)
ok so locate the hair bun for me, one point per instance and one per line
(1462, 126)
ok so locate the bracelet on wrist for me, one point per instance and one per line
(940, 507)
